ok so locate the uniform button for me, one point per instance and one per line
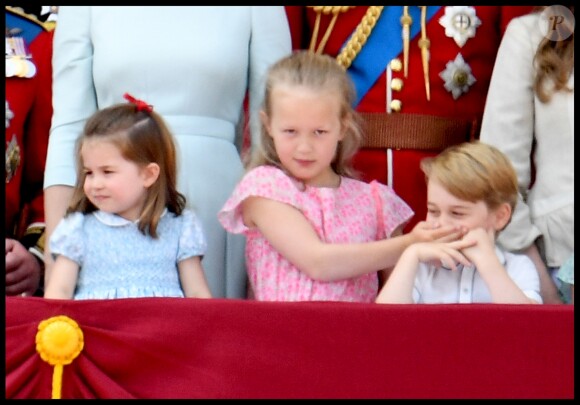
(396, 105)
(396, 65)
(397, 84)
(466, 290)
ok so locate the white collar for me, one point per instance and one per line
(111, 219)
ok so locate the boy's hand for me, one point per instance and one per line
(482, 245)
(432, 232)
(448, 254)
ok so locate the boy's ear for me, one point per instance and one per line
(150, 174)
(502, 216)
(265, 122)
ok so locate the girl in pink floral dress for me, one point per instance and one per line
(314, 232)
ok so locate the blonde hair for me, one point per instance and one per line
(322, 73)
(475, 171)
(142, 137)
(554, 62)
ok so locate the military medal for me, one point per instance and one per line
(22, 67)
(18, 61)
(9, 51)
(9, 114)
(457, 76)
(31, 69)
(10, 64)
(460, 23)
(10, 67)
(12, 158)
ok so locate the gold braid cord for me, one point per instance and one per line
(406, 22)
(424, 44)
(359, 37)
(319, 10)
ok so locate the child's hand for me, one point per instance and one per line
(433, 232)
(482, 244)
(440, 253)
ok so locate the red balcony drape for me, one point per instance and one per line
(218, 348)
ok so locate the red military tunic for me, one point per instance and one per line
(478, 28)
(28, 119)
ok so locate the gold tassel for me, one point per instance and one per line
(324, 39)
(406, 22)
(319, 10)
(424, 44)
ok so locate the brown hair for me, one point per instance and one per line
(320, 72)
(475, 171)
(554, 61)
(142, 137)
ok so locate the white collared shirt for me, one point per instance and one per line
(439, 285)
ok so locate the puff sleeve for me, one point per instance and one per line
(392, 210)
(192, 241)
(264, 181)
(67, 238)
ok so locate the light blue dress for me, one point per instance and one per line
(118, 261)
(194, 64)
(566, 277)
(566, 272)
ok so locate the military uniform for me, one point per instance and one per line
(448, 79)
(28, 119)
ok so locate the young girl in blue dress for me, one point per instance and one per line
(127, 232)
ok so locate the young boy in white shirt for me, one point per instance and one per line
(474, 186)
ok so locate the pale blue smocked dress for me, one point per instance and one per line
(118, 261)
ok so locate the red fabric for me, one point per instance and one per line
(218, 348)
(479, 52)
(30, 100)
(299, 30)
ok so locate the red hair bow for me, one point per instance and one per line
(141, 105)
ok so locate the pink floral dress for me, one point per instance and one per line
(354, 212)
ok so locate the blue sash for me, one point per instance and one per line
(29, 29)
(384, 44)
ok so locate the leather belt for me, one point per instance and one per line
(415, 131)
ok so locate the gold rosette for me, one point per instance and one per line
(59, 341)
